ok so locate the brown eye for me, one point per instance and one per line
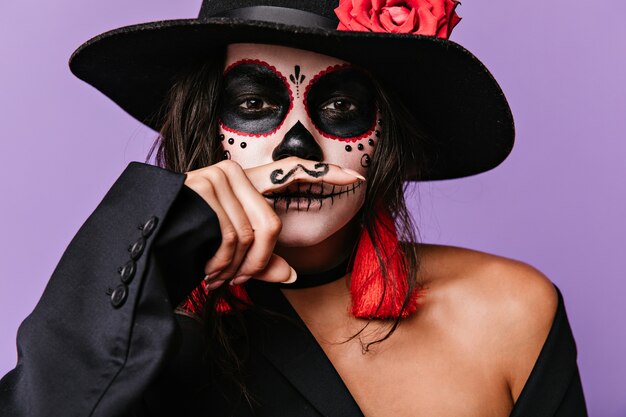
(340, 105)
(253, 104)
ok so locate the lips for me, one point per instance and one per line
(319, 190)
(303, 195)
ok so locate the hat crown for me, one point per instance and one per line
(324, 8)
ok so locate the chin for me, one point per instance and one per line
(302, 228)
(291, 240)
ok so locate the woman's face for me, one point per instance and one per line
(280, 102)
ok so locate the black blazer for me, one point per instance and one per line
(103, 339)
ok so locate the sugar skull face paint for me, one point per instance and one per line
(256, 98)
(341, 103)
(279, 102)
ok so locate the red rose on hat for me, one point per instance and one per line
(418, 17)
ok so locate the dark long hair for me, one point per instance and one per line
(188, 140)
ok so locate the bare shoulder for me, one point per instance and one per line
(508, 305)
(493, 279)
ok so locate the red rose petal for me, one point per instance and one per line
(411, 4)
(427, 22)
(343, 11)
(398, 14)
(449, 5)
(411, 23)
(386, 22)
(377, 5)
(454, 20)
(376, 25)
(364, 19)
(357, 27)
(361, 6)
(442, 29)
(423, 4)
(438, 10)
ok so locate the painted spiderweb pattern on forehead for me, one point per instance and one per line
(344, 84)
(254, 78)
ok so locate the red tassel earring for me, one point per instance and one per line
(373, 296)
(199, 296)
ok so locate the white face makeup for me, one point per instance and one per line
(279, 102)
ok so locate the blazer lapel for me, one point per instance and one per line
(293, 350)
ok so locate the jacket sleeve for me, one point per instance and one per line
(104, 327)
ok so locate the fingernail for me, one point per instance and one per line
(211, 275)
(240, 279)
(213, 285)
(354, 173)
(292, 278)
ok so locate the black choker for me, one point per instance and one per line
(320, 278)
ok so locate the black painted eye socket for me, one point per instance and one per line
(342, 103)
(255, 99)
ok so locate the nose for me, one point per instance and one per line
(299, 142)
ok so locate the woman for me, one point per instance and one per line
(294, 150)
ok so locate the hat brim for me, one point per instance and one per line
(445, 86)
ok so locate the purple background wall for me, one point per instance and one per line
(558, 202)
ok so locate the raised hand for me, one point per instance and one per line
(242, 201)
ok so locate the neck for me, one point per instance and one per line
(328, 253)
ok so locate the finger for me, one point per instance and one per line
(237, 216)
(225, 253)
(279, 174)
(260, 251)
(276, 270)
(264, 221)
(213, 284)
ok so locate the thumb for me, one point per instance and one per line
(277, 270)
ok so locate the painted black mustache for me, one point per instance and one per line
(276, 178)
(306, 193)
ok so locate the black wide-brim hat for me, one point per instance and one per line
(446, 88)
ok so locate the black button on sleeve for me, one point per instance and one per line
(136, 249)
(149, 226)
(127, 272)
(118, 298)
